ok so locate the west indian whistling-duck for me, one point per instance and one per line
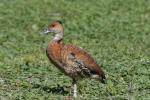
(70, 59)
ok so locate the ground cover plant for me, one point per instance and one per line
(115, 32)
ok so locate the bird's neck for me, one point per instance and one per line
(58, 37)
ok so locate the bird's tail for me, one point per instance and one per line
(101, 78)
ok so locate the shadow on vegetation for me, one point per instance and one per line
(55, 90)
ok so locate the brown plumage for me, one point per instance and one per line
(70, 59)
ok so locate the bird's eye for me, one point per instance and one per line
(53, 25)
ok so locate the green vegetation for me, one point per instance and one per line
(115, 32)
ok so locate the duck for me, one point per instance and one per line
(71, 60)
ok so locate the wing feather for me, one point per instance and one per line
(78, 62)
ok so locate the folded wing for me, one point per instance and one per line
(79, 63)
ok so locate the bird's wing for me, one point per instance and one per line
(80, 61)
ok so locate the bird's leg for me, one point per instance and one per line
(74, 83)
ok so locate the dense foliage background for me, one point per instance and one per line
(115, 32)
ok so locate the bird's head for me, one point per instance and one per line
(55, 27)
